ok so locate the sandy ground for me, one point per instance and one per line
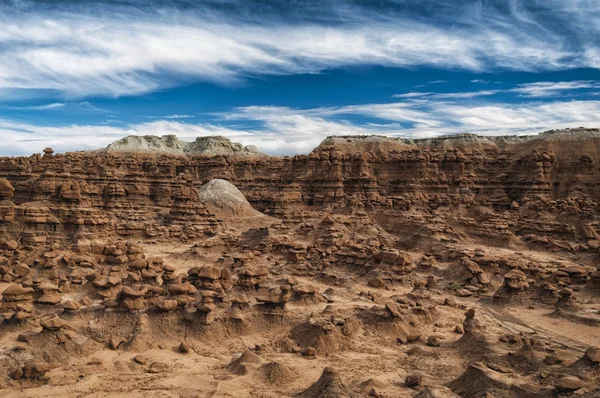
(203, 373)
(371, 357)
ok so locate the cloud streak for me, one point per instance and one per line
(75, 52)
(531, 90)
(549, 89)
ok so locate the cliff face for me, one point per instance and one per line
(155, 194)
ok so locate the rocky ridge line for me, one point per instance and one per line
(170, 144)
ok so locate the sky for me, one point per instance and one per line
(285, 74)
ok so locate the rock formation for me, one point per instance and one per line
(170, 144)
(448, 266)
(224, 199)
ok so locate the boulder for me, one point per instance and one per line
(568, 384)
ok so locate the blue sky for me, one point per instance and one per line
(283, 75)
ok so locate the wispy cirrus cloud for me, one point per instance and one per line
(413, 94)
(437, 117)
(532, 90)
(54, 105)
(176, 116)
(114, 49)
(466, 94)
(548, 89)
(430, 83)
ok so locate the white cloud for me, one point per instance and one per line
(432, 118)
(473, 94)
(24, 139)
(120, 53)
(431, 82)
(54, 105)
(176, 116)
(281, 130)
(412, 94)
(534, 89)
(83, 106)
(548, 89)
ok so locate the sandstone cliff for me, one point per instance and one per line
(85, 193)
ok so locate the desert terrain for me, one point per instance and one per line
(458, 266)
